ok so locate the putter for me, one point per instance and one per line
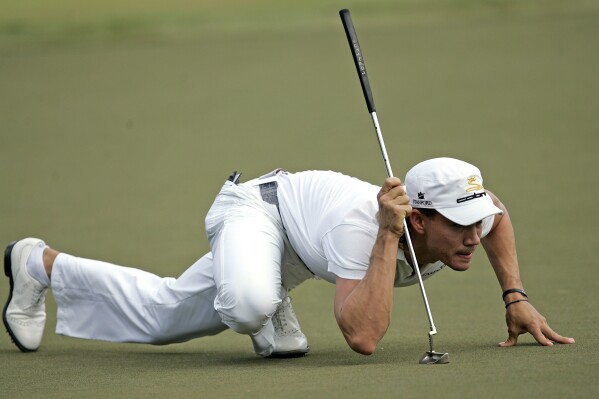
(429, 357)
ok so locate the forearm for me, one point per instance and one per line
(364, 313)
(500, 246)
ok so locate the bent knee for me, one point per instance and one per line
(245, 312)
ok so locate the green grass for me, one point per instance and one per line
(34, 22)
(112, 146)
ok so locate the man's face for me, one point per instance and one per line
(451, 243)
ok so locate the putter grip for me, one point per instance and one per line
(356, 52)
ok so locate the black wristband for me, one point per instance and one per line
(516, 301)
(512, 290)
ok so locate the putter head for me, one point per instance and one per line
(433, 357)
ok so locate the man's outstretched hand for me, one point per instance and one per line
(523, 318)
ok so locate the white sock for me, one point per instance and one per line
(35, 265)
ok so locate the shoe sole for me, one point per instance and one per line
(8, 273)
(289, 355)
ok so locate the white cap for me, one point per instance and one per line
(452, 187)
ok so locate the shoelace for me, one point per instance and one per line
(39, 295)
(279, 319)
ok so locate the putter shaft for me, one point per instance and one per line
(379, 136)
(358, 58)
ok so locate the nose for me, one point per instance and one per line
(472, 235)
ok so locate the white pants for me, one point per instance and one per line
(239, 284)
(98, 300)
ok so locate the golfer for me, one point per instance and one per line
(267, 236)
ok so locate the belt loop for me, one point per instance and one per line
(234, 178)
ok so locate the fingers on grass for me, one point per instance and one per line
(540, 337)
(555, 337)
(511, 341)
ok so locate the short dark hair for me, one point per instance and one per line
(428, 212)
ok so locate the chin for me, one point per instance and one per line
(459, 267)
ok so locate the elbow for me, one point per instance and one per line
(364, 340)
(362, 345)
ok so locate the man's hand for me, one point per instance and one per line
(521, 318)
(393, 206)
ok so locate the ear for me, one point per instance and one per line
(417, 221)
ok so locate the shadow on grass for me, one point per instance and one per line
(147, 358)
(195, 355)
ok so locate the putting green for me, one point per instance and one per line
(113, 144)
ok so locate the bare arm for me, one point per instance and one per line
(363, 307)
(500, 246)
(521, 317)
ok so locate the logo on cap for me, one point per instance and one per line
(421, 201)
(470, 197)
(473, 184)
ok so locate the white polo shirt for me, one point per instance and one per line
(331, 223)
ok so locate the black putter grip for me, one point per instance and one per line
(356, 52)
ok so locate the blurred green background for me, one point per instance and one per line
(119, 120)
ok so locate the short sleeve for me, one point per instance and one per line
(347, 249)
(487, 225)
